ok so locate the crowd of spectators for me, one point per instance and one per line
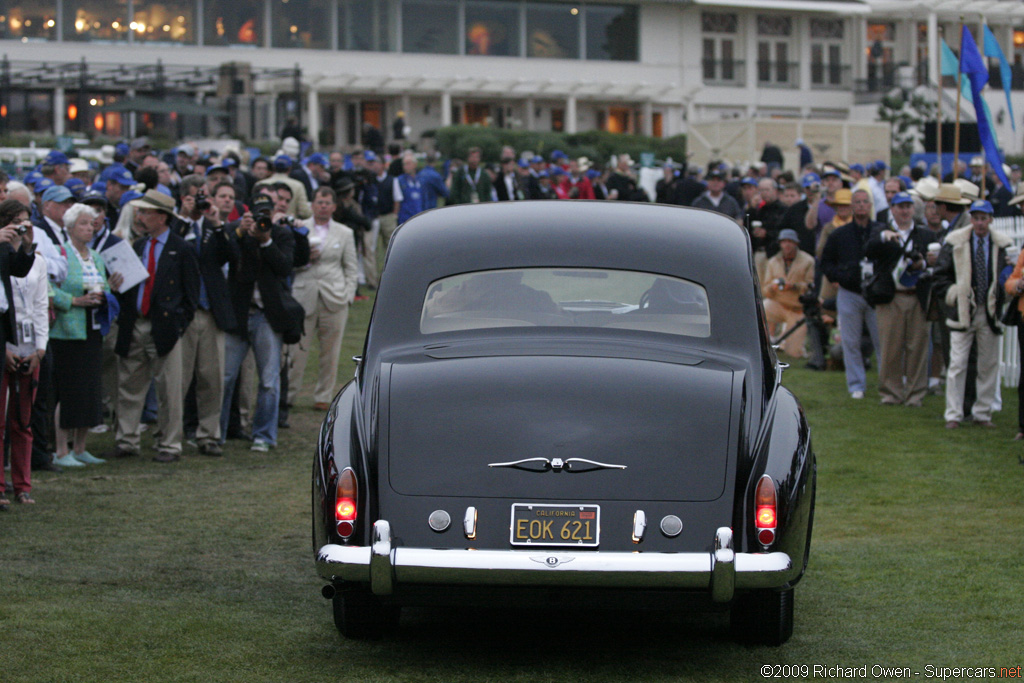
(180, 293)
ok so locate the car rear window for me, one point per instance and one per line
(566, 297)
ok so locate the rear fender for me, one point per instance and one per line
(784, 453)
(337, 448)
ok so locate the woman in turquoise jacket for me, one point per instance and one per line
(76, 339)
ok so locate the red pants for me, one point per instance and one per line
(22, 392)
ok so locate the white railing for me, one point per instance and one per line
(1009, 351)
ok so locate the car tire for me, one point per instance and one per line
(359, 615)
(763, 617)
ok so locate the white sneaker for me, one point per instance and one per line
(260, 446)
(857, 394)
(101, 428)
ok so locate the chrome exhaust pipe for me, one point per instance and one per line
(328, 591)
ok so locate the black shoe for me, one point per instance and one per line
(283, 424)
(119, 453)
(47, 467)
(166, 457)
(210, 448)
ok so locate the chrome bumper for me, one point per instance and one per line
(720, 572)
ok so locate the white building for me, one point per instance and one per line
(624, 66)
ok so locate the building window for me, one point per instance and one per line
(553, 31)
(367, 25)
(612, 32)
(773, 48)
(233, 22)
(881, 38)
(29, 111)
(173, 21)
(620, 120)
(558, 120)
(100, 21)
(29, 20)
(827, 52)
(719, 48)
(492, 28)
(477, 114)
(301, 24)
(430, 27)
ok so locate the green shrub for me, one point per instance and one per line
(599, 146)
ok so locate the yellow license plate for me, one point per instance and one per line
(556, 525)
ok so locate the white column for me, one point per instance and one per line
(59, 111)
(647, 111)
(313, 116)
(531, 107)
(446, 108)
(570, 114)
(130, 95)
(934, 73)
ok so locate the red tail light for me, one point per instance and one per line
(345, 499)
(764, 511)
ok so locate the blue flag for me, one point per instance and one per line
(973, 66)
(992, 49)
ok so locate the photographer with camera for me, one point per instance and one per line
(25, 330)
(899, 248)
(265, 313)
(788, 275)
(202, 344)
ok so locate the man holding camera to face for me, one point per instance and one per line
(263, 308)
(202, 345)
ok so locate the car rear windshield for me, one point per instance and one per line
(566, 297)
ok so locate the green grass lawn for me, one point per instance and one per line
(203, 570)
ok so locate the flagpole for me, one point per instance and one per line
(959, 95)
(938, 118)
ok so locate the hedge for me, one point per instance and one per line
(598, 146)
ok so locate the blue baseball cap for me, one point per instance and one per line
(282, 162)
(831, 171)
(593, 173)
(42, 184)
(537, 160)
(558, 154)
(811, 179)
(98, 186)
(982, 206)
(118, 174)
(901, 198)
(122, 149)
(859, 168)
(128, 196)
(56, 157)
(163, 189)
(58, 193)
(77, 186)
(368, 155)
(319, 159)
(749, 181)
(31, 177)
(543, 174)
(556, 171)
(217, 167)
(523, 163)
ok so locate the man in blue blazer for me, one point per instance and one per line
(154, 315)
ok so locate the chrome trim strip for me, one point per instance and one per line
(385, 567)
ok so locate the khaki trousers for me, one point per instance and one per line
(776, 314)
(134, 373)
(388, 225)
(329, 327)
(370, 253)
(988, 369)
(903, 334)
(202, 354)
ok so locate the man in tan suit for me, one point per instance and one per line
(324, 288)
(787, 275)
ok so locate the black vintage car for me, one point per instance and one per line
(571, 399)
